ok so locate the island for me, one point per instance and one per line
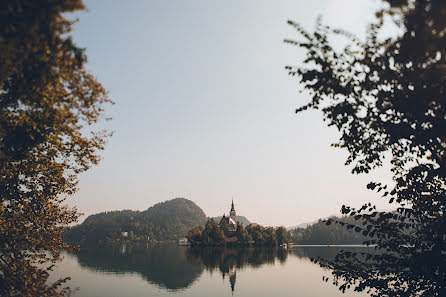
(229, 231)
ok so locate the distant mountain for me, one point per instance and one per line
(306, 224)
(167, 220)
(303, 225)
(243, 220)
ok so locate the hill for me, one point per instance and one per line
(321, 233)
(167, 220)
(301, 226)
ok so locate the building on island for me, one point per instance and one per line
(230, 221)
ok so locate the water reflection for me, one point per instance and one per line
(174, 268)
(162, 264)
(324, 252)
(228, 260)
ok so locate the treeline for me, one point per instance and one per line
(321, 233)
(168, 220)
(254, 234)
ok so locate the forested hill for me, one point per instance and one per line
(321, 233)
(167, 220)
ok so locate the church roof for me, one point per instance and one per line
(228, 220)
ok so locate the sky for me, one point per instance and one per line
(206, 111)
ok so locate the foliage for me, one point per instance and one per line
(167, 220)
(253, 234)
(321, 233)
(212, 234)
(281, 235)
(48, 102)
(195, 234)
(224, 226)
(387, 98)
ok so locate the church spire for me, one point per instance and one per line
(232, 204)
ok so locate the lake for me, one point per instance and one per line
(165, 269)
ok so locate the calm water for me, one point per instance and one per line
(170, 270)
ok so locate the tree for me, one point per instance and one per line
(239, 232)
(282, 235)
(387, 98)
(224, 226)
(269, 236)
(48, 103)
(195, 234)
(256, 231)
(213, 234)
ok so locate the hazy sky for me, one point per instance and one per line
(205, 110)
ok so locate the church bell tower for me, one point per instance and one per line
(232, 212)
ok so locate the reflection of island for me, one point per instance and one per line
(231, 269)
(162, 264)
(229, 260)
(174, 268)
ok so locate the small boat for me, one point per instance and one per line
(183, 241)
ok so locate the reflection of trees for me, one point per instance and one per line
(173, 267)
(228, 260)
(162, 264)
(325, 253)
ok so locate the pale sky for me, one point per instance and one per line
(205, 110)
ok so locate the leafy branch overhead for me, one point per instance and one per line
(48, 104)
(386, 96)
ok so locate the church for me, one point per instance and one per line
(230, 221)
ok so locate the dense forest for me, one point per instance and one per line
(167, 220)
(321, 233)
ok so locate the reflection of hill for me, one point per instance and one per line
(163, 264)
(173, 267)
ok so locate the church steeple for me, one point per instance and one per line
(232, 214)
